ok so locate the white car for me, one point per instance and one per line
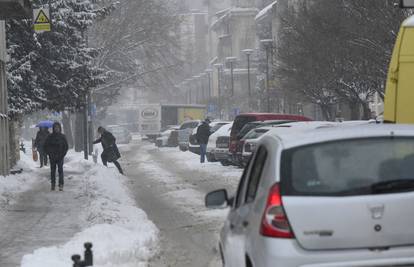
(164, 139)
(184, 132)
(193, 145)
(329, 197)
(212, 148)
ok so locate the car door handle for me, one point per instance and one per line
(245, 223)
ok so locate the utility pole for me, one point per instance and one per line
(219, 68)
(248, 52)
(268, 45)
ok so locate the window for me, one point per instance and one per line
(255, 174)
(349, 167)
(240, 188)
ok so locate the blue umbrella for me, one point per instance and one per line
(45, 124)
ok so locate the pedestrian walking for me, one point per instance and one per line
(56, 147)
(39, 142)
(202, 135)
(110, 150)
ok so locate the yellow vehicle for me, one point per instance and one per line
(399, 93)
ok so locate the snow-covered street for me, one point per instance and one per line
(44, 228)
(170, 186)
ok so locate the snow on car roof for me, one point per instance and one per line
(303, 135)
(409, 22)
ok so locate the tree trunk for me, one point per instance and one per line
(67, 127)
(78, 135)
(326, 112)
(355, 110)
(367, 113)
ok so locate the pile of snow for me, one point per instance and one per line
(12, 185)
(121, 233)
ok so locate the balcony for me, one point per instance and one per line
(15, 9)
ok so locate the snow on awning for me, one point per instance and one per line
(265, 11)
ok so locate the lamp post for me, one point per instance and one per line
(231, 61)
(267, 43)
(188, 83)
(248, 52)
(219, 69)
(209, 71)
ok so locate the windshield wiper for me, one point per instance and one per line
(399, 185)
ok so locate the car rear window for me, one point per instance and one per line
(349, 167)
(239, 123)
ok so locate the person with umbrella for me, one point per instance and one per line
(39, 142)
(110, 150)
(56, 146)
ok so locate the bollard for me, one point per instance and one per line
(88, 254)
(88, 261)
(76, 261)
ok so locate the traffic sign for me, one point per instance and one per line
(42, 22)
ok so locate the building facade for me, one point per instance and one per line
(4, 124)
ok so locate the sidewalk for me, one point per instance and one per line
(44, 228)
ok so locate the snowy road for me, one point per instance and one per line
(170, 186)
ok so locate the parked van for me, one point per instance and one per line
(399, 93)
(242, 119)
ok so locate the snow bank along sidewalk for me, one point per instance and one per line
(121, 233)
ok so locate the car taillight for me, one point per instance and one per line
(233, 146)
(275, 222)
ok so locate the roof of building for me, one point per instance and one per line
(265, 11)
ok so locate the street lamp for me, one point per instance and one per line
(188, 82)
(267, 43)
(231, 60)
(219, 69)
(248, 52)
(209, 71)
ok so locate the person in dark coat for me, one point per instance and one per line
(56, 147)
(202, 135)
(41, 137)
(110, 150)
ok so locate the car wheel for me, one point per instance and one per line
(225, 163)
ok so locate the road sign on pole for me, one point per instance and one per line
(42, 22)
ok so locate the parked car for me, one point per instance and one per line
(242, 119)
(336, 196)
(236, 156)
(194, 146)
(249, 142)
(166, 139)
(212, 141)
(122, 135)
(251, 139)
(184, 133)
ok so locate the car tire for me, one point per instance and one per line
(225, 163)
(183, 149)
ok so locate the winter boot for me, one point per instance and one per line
(60, 187)
(52, 188)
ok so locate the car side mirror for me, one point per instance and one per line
(217, 199)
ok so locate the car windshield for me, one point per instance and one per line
(256, 133)
(216, 127)
(247, 128)
(350, 167)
